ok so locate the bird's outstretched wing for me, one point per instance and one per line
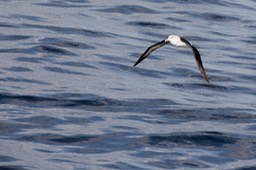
(199, 63)
(150, 50)
(198, 59)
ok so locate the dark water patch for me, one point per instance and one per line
(250, 40)
(65, 3)
(244, 90)
(4, 158)
(63, 71)
(88, 144)
(210, 86)
(26, 100)
(65, 43)
(83, 120)
(229, 115)
(99, 103)
(193, 139)
(75, 64)
(26, 17)
(41, 121)
(50, 49)
(128, 9)
(60, 160)
(71, 139)
(108, 143)
(86, 102)
(62, 100)
(68, 30)
(31, 59)
(121, 165)
(215, 160)
(147, 24)
(17, 50)
(117, 67)
(119, 89)
(18, 69)
(24, 80)
(13, 167)
(242, 58)
(178, 164)
(114, 58)
(173, 19)
(218, 17)
(8, 129)
(13, 37)
(56, 139)
(222, 35)
(144, 119)
(124, 128)
(245, 168)
(197, 2)
(8, 25)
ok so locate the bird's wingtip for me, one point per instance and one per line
(207, 79)
(137, 62)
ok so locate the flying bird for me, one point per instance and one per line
(178, 42)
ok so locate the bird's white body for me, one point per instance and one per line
(176, 41)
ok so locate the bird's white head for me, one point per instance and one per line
(176, 41)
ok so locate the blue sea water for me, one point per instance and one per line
(70, 98)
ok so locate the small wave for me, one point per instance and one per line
(26, 17)
(65, 43)
(49, 49)
(18, 69)
(67, 30)
(55, 101)
(65, 4)
(208, 114)
(58, 139)
(63, 71)
(8, 25)
(218, 17)
(13, 37)
(13, 167)
(23, 80)
(216, 139)
(148, 24)
(128, 9)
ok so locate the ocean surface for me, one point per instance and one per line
(71, 99)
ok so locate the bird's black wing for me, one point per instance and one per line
(198, 59)
(150, 50)
(199, 63)
(185, 41)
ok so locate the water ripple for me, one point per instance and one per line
(13, 37)
(65, 43)
(204, 139)
(128, 9)
(67, 30)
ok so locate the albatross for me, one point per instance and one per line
(178, 42)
